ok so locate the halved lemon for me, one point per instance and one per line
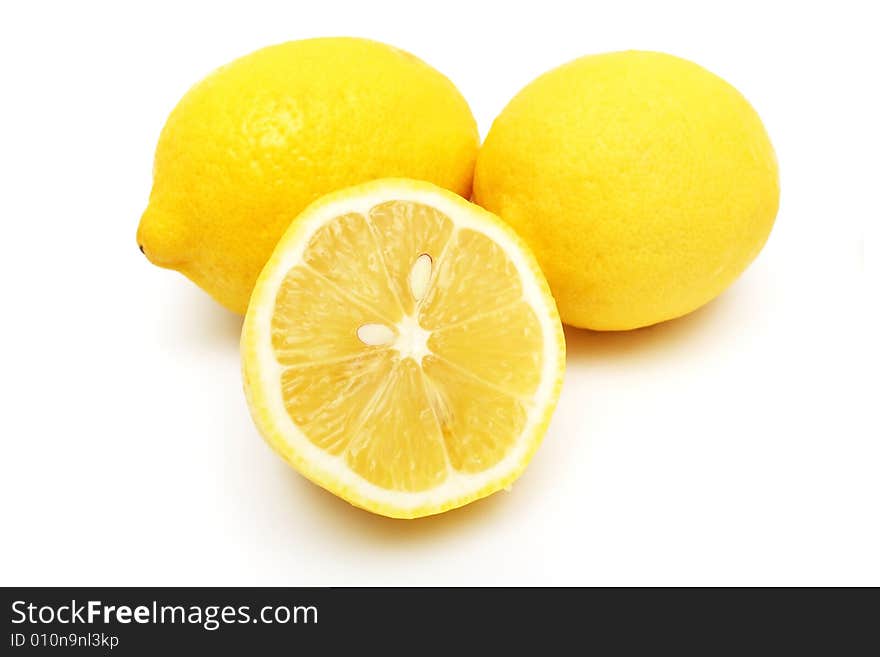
(402, 349)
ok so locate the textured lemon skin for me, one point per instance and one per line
(264, 295)
(643, 183)
(250, 146)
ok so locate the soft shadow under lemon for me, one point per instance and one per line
(588, 345)
(203, 321)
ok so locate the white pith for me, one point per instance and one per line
(410, 341)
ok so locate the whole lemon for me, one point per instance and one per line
(250, 146)
(643, 183)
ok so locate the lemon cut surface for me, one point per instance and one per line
(402, 349)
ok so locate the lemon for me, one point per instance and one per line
(643, 183)
(250, 146)
(402, 349)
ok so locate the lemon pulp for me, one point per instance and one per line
(402, 349)
(406, 345)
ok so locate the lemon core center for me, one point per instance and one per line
(412, 339)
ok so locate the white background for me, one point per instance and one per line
(738, 445)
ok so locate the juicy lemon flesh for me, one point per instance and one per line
(406, 347)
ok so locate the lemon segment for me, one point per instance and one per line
(480, 423)
(405, 231)
(478, 274)
(502, 346)
(345, 254)
(402, 349)
(399, 446)
(315, 318)
(326, 399)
